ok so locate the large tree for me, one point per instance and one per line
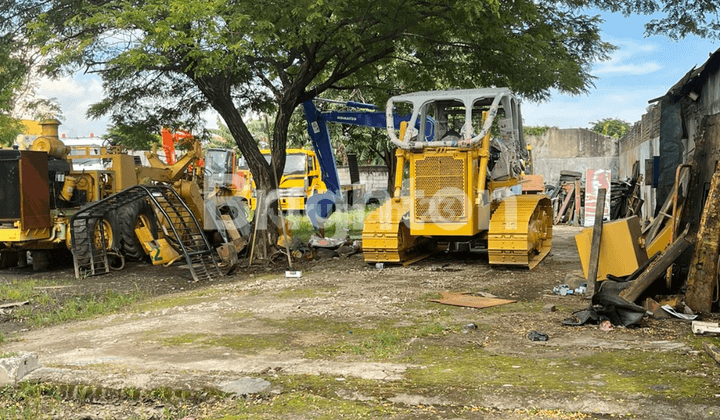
(168, 61)
(173, 59)
(612, 127)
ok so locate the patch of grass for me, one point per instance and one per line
(77, 308)
(9, 355)
(308, 292)
(338, 224)
(671, 375)
(25, 290)
(299, 404)
(171, 302)
(251, 343)
(241, 315)
(182, 339)
(381, 343)
(27, 400)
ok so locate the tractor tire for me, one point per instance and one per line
(89, 245)
(128, 217)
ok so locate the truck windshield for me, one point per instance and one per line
(294, 163)
(218, 161)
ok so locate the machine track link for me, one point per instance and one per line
(89, 238)
(386, 237)
(520, 231)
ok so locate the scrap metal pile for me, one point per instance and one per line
(569, 196)
(669, 268)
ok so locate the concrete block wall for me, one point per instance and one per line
(373, 177)
(574, 149)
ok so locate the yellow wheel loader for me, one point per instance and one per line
(119, 210)
(456, 189)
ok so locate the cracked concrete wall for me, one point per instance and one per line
(573, 149)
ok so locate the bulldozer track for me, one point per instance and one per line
(520, 231)
(91, 251)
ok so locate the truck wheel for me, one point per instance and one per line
(129, 217)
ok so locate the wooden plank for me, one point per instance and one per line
(657, 268)
(14, 304)
(578, 197)
(713, 351)
(596, 239)
(563, 209)
(703, 268)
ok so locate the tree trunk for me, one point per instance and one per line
(217, 90)
(391, 163)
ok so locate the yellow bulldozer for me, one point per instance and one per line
(460, 187)
(119, 210)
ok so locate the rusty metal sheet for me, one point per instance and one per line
(34, 190)
(470, 301)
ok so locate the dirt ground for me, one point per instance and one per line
(349, 333)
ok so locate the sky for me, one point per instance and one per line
(641, 69)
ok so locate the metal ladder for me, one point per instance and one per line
(91, 252)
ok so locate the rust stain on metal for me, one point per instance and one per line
(468, 300)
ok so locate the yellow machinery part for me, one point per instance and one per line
(620, 250)
(661, 241)
(159, 250)
(520, 231)
(386, 238)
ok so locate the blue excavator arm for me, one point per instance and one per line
(320, 206)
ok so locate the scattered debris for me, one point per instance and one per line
(565, 289)
(657, 268)
(468, 327)
(701, 327)
(606, 326)
(608, 305)
(677, 314)
(713, 351)
(538, 336)
(549, 308)
(13, 369)
(465, 299)
(654, 309)
(14, 304)
(293, 274)
(562, 290)
(567, 198)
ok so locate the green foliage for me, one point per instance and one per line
(137, 137)
(611, 127)
(535, 131)
(12, 74)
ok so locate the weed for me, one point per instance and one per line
(183, 339)
(80, 307)
(348, 223)
(251, 343)
(9, 355)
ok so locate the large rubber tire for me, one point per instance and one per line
(90, 244)
(128, 217)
